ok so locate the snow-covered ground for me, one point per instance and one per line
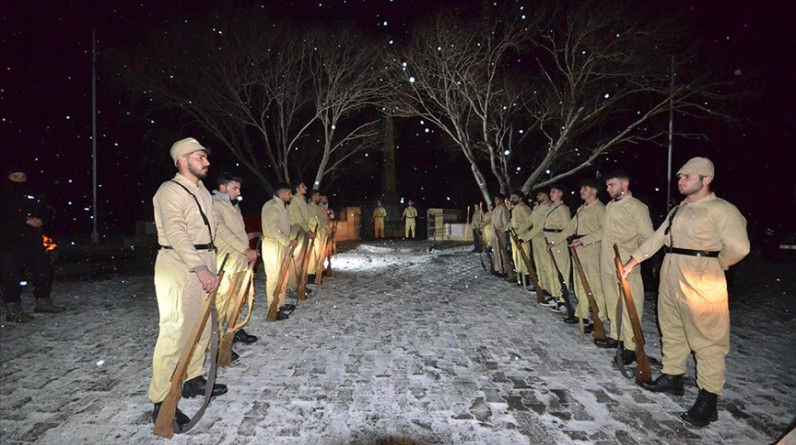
(402, 342)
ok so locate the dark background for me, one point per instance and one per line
(46, 112)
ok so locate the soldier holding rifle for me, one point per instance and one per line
(233, 240)
(584, 232)
(555, 221)
(500, 223)
(702, 237)
(627, 224)
(301, 217)
(185, 272)
(277, 241)
(540, 257)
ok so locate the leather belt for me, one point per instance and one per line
(576, 237)
(211, 247)
(553, 230)
(692, 252)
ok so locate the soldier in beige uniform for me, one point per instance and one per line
(301, 222)
(478, 217)
(232, 241)
(584, 228)
(627, 224)
(379, 213)
(521, 223)
(277, 241)
(500, 223)
(486, 229)
(409, 216)
(185, 272)
(318, 221)
(555, 221)
(540, 256)
(702, 237)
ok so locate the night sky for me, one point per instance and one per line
(46, 110)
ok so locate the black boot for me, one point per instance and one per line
(588, 328)
(571, 319)
(607, 343)
(243, 337)
(704, 410)
(673, 384)
(196, 387)
(179, 416)
(628, 356)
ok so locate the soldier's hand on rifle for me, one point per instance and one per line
(629, 267)
(311, 234)
(550, 247)
(208, 279)
(575, 243)
(251, 255)
(293, 243)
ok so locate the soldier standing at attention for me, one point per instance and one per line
(500, 223)
(702, 237)
(185, 272)
(478, 216)
(300, 219)
(555, 221)
(521, 223)
(318, 219)
(409, 216)
(276, 242)
(540, 256)
(583, 228)
(627, 224)
(233, 241)
(379, 213)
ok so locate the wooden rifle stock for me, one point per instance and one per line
(643, 372)
(165, 424)
(302, 272)
(504, 256)
(274, 306)
(531, 272)
(225, 351)
(331, 245)
(599, 329)
(561, 280)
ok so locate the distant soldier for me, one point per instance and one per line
(185, 272)
(276, 242)
(379, 213)
(581, 231)
(409, 216)
(486, 228)
(232, 241)
(555, 221)
(521, 223)
(478, 216)
(319, 221)
(540, 256)
(501, 217)
(627, 224)
(301, 222)
(702, 237)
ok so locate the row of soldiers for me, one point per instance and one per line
(197, 233)
(702, 236)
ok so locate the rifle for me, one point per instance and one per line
(305, 259)
(274, 306)
(225, 351)
(504, 256)
(599, 329)
(561, 280)
(531, 272)
(165, 424)
(643, 372)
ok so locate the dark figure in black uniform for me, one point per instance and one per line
(23, 215)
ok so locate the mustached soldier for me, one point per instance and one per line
(702, 237)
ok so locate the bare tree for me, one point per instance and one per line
(346, 88)
(604, 75)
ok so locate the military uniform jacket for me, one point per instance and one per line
(710, 224)
(478, 215)
(538, 215)
(557, 218)
(380, 212)
(300, 214)
(231, 238)
(501, 218)
(587, 223)
(276, 222)
(521, 220)
(180, 224)
(318, 217)
(626, 223)
(410, 212)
